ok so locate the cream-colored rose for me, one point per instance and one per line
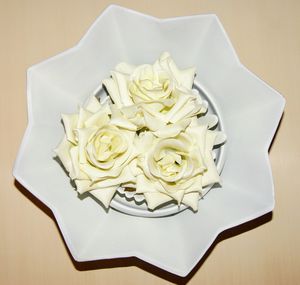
(161, 92)
(98, 150)
(176, 166)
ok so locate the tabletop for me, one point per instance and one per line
(266, 36)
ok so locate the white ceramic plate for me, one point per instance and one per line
(250, 112)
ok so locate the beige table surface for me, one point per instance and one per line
(266, 35)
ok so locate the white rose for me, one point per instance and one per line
(177, 168)
(150, 83)
(98, 150)
(161, 91)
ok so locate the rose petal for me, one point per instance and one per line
(105, 195)
(70, 123)
(99, 119)
(83, 116)
(121, 83)
(62, 152)
(152, 123)
(92, 158)
(92, 105)
(82, 185)
(130, 111)
(193, 185)
(123, 123)
(124, 176)
(177, 196)
(220, 138)
(185, 107)
(172, 130)
(209, 120)
(144, 142)
(113, 91)
(156, 199)
(183, 77)
(83, 138)
(191, 200)
(199, 133)
(75, 171)
(211, 175)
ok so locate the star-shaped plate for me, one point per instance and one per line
(250, 112)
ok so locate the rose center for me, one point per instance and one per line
(149, 84)
(107, 146)
(170, 162)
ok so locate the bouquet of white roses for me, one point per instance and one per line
(146, 135)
